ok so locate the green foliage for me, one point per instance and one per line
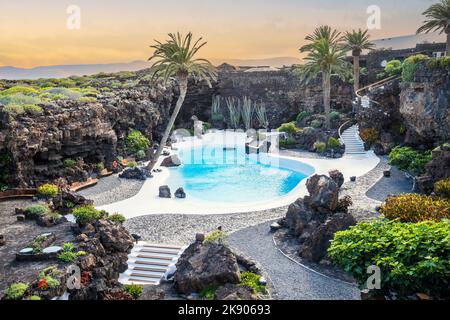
(301, 116)
(48, 190)
(68, 254)
(406, 158)
(316, 124)
(69, 163)
(289, 128)
(333, 143)
(15, 291)
(415, 207)
(117, 217)
(140, 154)
(409, 66)
(251, 280)
(136, 141)
(28, 91)
(217, 236)
(413, 257)
(206, 126)
(439, 63)
(393, 68)
(209, 292)
(36, 210)
(131, 164)
(36, 244)
(100, 166)
(320, 146)
(289, 141)
(335, 116)
(134, 290)
(442, 188)
(86, 214)
(34, 298)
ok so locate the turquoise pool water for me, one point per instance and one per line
(215, 174)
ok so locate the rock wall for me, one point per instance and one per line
(425, 106)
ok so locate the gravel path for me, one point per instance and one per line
(395, 184)
(112, 189)
(290, 281)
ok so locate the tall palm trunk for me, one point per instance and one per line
(183, 84)
(356, 70)
(326, 83)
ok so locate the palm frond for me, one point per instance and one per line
(437, 18)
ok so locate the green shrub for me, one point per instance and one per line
(415, 208)
(134, 290)
(409, 66)
(289, 128)
(217, 236)
(131, 164)
(117, 217)
(86, 214)
(301, 116)
(36, 210)
(34, 298)
(32, 109)
(20, 99)
(68, 253)
(289, 141)
(251, 280)
(413, 257)
(140, 154)
(28, 91)
(15, 291)
(209, 292)
(406, 158)
(136, 141)
(393, 68)
(100, 166)
(333, 143)
(335, 116)
(316, 124)
(206, 126)
(320, 146)
(439, 63)
(69, 163)
(442, 188)
(13, 109)
(48, 190)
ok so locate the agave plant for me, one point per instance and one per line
(261, 115)
(438, 19)
(233, 105)
(247, 112)
(175, 58)
(216, 112)
(356, 42)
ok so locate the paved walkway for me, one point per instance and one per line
(290, 280)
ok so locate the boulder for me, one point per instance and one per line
(164, 192)
(135, 173)
(337, 177)
(171, 161)
(323, 192)
(65, 201)
(315, 247)
(2, 240)
(437, 169)
(298, 216)
(234, 292)
(205, 265)
(113, 236)
(180, 194)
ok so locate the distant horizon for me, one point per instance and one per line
(35, 33)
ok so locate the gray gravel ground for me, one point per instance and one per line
(112, 189)
(397, 183)
(290, 281)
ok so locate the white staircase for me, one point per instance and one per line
(148, 263)
(353, 142)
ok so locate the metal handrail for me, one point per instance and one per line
(376, 85)
(340, 130)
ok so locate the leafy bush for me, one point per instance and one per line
(301, 116)
(131, 164)
(393, 68)
(36, 210)
(209, 292)
(289, 141)
(442, 188)
(28, 91)
(251, 280)
(48, 190)
(32, 109)
(333, 143)
(100, 166)
(409, 66)
(34, 298)
(217, 236)
(320, 146)
(439, 63)
(335, 116)
(369, 135)
(68, 253)
(69, 163)
(206, 126)
(413, 257)
(136, 141)
(16, 291)
(406, 158)
(289, 128)
(415, 208)
(316, 123)
(86, 214)
(134, 290)
(117, 217)
(140, 154)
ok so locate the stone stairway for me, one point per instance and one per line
(353, 142)
(148, 263)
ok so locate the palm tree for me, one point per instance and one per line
(356, 42)
(175, 59)
(327, 58)
(438, 19)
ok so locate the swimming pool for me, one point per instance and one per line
(216, 173)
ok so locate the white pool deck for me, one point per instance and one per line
(147, 201)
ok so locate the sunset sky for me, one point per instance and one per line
(34, 33)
